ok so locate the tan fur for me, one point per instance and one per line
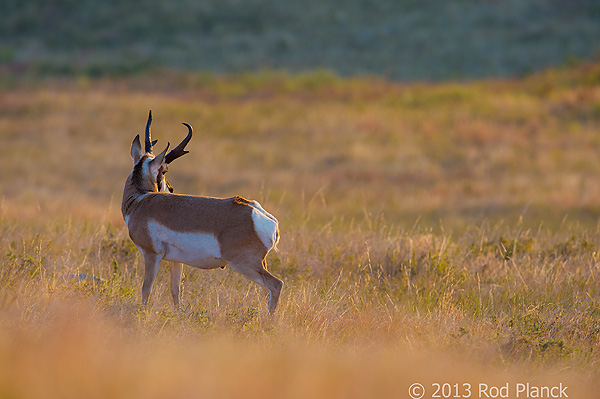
(228, 220)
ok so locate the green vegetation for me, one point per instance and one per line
(401, 39)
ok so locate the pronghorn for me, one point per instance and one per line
(202, 232)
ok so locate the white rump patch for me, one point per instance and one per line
(196, 249)
(265, 225)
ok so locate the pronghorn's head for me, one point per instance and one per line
(149, 170)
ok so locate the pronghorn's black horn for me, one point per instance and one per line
(149, 142)
(179, 150)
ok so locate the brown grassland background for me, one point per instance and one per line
(430, 233)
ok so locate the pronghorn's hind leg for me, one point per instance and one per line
(257, 272)
(151, 270)
(176, 270)
(273, 284)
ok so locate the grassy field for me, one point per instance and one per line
(440, 233)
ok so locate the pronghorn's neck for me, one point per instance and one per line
(137, 185)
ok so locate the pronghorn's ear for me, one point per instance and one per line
(159, 162)
(136, 149)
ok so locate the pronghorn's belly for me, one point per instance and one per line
(196, 249)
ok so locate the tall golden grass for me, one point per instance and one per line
(430, 233)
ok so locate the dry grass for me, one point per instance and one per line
(440, 233)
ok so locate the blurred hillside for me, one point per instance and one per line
(398, 39)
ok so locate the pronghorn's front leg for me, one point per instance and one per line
(151, 270)
(176, 270)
